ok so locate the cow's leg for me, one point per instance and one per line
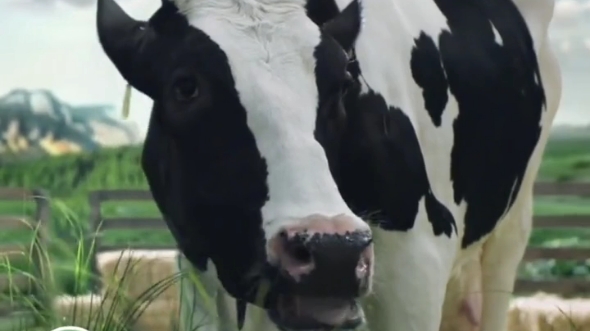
(463, 301)
(411, 273)
(505, 248)
(198, 308)
(501, 256)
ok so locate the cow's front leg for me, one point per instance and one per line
(411, 273)
(502, 254)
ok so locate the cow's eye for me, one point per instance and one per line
(186, 98)
(186, 88)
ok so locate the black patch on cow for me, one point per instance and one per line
(321, 11)
(428, 73)
(383, 174)
(200, 158)
(500, 97)
(331, 80)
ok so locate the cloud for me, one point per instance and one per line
(570, 8)
(570, 28)
(76, 3)
(570, 12)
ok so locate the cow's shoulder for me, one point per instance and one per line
(487, 62)
(537, 15)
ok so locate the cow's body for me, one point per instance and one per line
(439, 150)
(482, 175)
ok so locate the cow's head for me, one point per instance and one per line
(247, 113)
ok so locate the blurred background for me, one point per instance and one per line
(61, 130)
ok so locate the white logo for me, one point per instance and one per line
(69, 328)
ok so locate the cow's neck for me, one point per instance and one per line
(400, 151)
(387, 69)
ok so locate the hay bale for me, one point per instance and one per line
(133, 272)
(159, 315)
(547, 312)
(86, 311)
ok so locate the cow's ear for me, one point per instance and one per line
(346, 26)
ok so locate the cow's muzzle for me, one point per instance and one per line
(322, 265)
(295, 313)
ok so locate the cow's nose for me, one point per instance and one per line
(329, 256)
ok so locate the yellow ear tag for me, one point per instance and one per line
(126, 101)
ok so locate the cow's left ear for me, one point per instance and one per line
(346, 26)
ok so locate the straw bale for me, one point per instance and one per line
(547, 312)
(83, 311)
(133, 272)
(159, 315)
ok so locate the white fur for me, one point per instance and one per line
(269, 44)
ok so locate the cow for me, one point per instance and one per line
(327, 164)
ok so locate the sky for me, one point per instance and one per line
(53, 44)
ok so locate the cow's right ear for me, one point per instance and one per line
(345, 27)
(124, 41)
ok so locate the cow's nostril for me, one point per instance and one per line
(299, 253)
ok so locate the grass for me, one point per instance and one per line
(116, 312)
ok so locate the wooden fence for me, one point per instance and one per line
(98, 222)
(569, 286)
(563, 286)
(17, 281)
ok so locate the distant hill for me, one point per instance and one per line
(35, 123)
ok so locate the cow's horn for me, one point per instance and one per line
(346, 26)
(120, 36)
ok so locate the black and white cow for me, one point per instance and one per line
(282, 128)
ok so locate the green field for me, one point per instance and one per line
(69, 179)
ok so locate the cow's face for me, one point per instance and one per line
(247, 110)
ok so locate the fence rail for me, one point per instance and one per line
(568, 286)
(98, 224)
(562, 286)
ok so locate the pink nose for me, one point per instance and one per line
(328, 254)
